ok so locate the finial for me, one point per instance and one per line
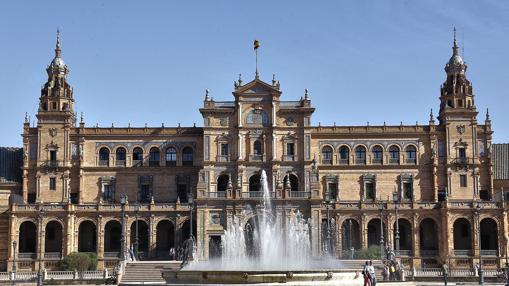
(207, 96)
(256, 45)
(240, 78)
(112, 125)
(58, 50)
(273, 79)
(306, 96)
(81, 117)
(162, 125)
(454, 31)
(26, 118)
(487, 114)
(129, 125)
(455, 45)
(194, 124)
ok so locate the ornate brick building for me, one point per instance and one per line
(450, 205)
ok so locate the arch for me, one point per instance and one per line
(394, 154)
(255, 184)
(112, 236)
(344, 154)
(489, 235)
(87, 235)
(53, 237)
(165, 238)
(258, 117)
(187, 156)
(428, 236)
(104, 156)
(137, 157)
(142, 233)
(171, 156)
(374, 232)
(360, 155)
(351, 236)
(411, 154)
(154, 156)
(27, 237)
(327, 155)
(405, 234)
(120, 156)
(257, 148)
(294, 182)
(462, 233)
(184, 230)
(377, 152)
(222, 183)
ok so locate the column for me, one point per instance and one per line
(100, 242)
(152, 236)
(69, 234)
(363, 230)
(339, 236)
(416, 239)
(315, 231)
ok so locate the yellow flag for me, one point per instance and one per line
(256, 44)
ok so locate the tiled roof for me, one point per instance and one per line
(11, 161)
(501, 161)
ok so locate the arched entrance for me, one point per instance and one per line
(375, 233)
(351, 237)
(165, 239)
(143, 238)
(462, 237)
(405, 237)
(28, 238)
(112, 236)
(87, 237)
(428, 238)
(489, 237)
(53, 239)
(184, 231)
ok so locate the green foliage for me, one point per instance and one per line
(372, 252)
(79, 261)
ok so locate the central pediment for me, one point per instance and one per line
(257, 87)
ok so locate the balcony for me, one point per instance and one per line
(289, 158)
(463, 161)
(258, 194)
(326, 161)
(429, 253)
(120, 163)
(302, 195)
(462, 252)
(405, 252)
(53, 255)
(411, 161)
(489, 252)
(343, 161)
(110, 255)
(171, 163)
(216, 195)
(257, 157)
(376, 161)
(394, 161)
(53, 164)
(104, 163)
(360, 161)
(137, 163)
(223, 158)
(26, 255)
(153, 163)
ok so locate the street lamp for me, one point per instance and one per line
(350, 238)
(481, 271)
(14, 244)
(40, 277)
(191, 202)
(123, 202)
(395, 199)
(136, 209)
(381, 208)
(328, 233)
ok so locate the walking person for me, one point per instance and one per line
(445, 272)
(365, 274)
(372, 275)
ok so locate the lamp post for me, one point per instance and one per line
(481, 271)
(328, 233)
(395, 199)
(506, 261)
(191, 202)
(123, 202)
(14, 244)
(136, 210)
(381, 208)
(350, 238)
(40, 277)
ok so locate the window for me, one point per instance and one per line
(463, 181)
(108, 193)
(182, 193)
(187, 156)
(377, 155)
(462, 153)
(54, 106)
(74, 198)
(31, 198)
(290, 151)
(407, 190)
(53, 155)
(327, 155)
(222, 183)
(394, 155)
(257, 117)
(52, 184)
(344, 154)
(332, 189)
(120, 157)
(369, 189)
(171, 157)
(138, 157)
(460, 103)
(224, 149)
(441, 148)
(360, 155)
(154, 157)
(145, 192)
(257, 150)
(411, 155)
(104, 156)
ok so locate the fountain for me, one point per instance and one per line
(268, 248)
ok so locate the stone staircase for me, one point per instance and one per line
(146, 272)
(359, 265)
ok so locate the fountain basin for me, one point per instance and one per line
(332, 276)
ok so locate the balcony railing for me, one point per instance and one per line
(429, 253)
(463, 161)
(53, 163)
(304, 195)
(405, 252)
(343, 161)
(223, 158)
(137, 163)
(377, 161)
(489, 252)
(289, 157)
(26, 255)
(53, 255)
(120, 163)
(411, 161)
(359, 161)
(104, 163)
(216, 195)
(394, 161)
(462, 252)
(257, 194)
(153, 163)
(326, 161)
(112, 254)
(257, 157)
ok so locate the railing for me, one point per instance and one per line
(289, 157)
(257, 157)
(57, 275)
(457, 272)
(412, 161)
(112, 254)
(104, 163)
(360, 161)
(171, 163)
(376, 161)
(215, 195)
(137, 163)
(223, 158)
(60, 275)
(53, 255)
(429, 253)
(462, 252)
(405, 252)
(463, 161)
(326, 161)
(53, 163)
(489, 252)
(153, 163)
(343, 161)
(394, 161)
(25, 276)
(27, 255)
(305, 195)
(120, 163)
(257, 194)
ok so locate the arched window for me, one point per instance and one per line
(222, 183)
(138, 157)
(394, 155)
(120, 157)
(255, 186)
(171, 157)
(327, 155)
(294, 183)
(377, 155)
(104, 156)
(154, 157)
(187, 156)
(344, 155)
(360, 155)
(257, 150)
(411, 155)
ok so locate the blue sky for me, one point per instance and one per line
(151, 61)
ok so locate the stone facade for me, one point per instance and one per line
(73, 176)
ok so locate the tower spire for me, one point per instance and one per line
(455, 44)
(58, 50)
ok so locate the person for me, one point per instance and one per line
(385, 272)
(476, 269)
(401, 272)
(365, 274)
(445, 272)
(392, 271)
(172, 253)
(187, 253)
(371, 272)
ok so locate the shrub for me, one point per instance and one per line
(79, 261)
(372, 252)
